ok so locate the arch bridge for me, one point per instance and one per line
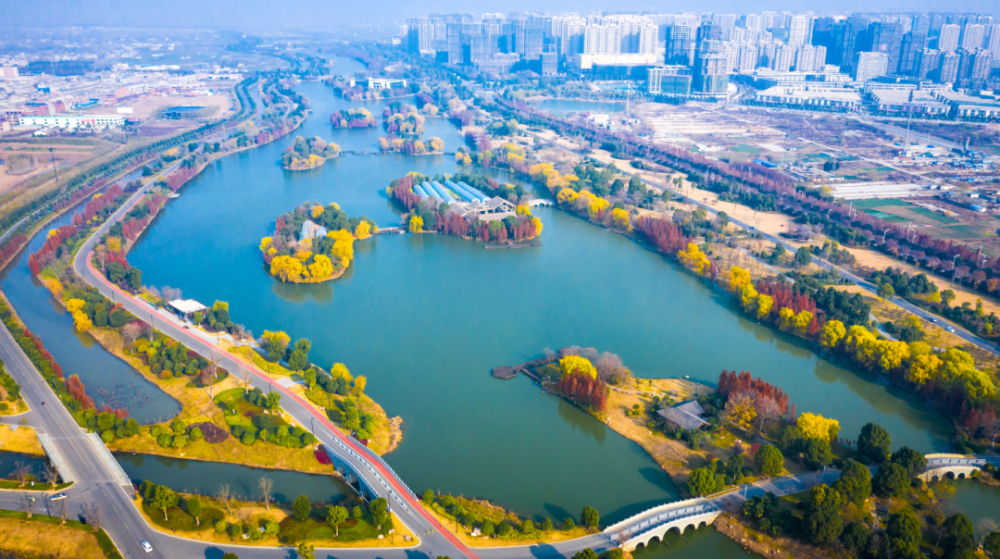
(954, 466)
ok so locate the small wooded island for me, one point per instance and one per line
(467, 206)
(353, 118)
(313, 243)
(308, 154)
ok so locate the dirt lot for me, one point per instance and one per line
(146, 107)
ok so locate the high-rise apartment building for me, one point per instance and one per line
(886, 38)
(972, 36)
(800, 30)
(948, 68)
(994, 43)
(753, 22)
(870, 65)
(930, 62)
(909, 59)
(948, 39)
(680, 45)
(849, 41)
(602, 39)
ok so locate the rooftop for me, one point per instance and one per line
(188, 306)
(686, 415)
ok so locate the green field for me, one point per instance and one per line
(888, 217)
(933, 215)
(747, 149)
(878, 203)
(966, 231)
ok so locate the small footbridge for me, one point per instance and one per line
(369, 484)
(940, 466)
(541, 202)
(656, 522)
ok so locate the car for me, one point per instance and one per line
(58, 497)
(933, 319)
(146, 546)
(950, 329)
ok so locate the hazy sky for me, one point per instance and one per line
(312, 13)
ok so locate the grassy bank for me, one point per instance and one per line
(43, 536)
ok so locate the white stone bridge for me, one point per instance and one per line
(957, 466)
(656, 522)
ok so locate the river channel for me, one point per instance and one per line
(426, 317)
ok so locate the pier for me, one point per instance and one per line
(505, 373)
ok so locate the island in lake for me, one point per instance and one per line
(468, 206)
(308, 154)
(353, 118)
(313, 243)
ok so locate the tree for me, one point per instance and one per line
(335, 516)
(225, 497)
(575, 364)
(904, 525)
(590, 518)
(875, 443)
(959, 542)
(890, 480)
(299, 360)
(855, 482)
(131, 333)
(585, 554)
(93, 516)
(914, 462)
(702, 482)
(22, 472)
(380, 511)
(833, 333)
(817, 453)
(855, 537)
(822, 522)
(992, 544)
(803, 256)
(740, 410)
(885, 291)
(301, 508)
(416, 224)
(230, 556)
(306, 551)
(266, 484)
(163, 499)
(768, 411)
(815, 426)
(568, 523)
(194, 509)
(275, 344)
(769, 460)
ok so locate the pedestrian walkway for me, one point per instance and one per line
(55, 458)
(109, 460)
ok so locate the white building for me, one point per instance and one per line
(602, 40)
(870, 65)
(948, 40)
(72, 121)
(800, 30)
(972, 36)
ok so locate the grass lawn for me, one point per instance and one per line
(878, 203)
(933, 215)
(965, 231)
(516, 538)
(178, 517)
(43, 536)
(20, 439)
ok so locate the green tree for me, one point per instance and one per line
(306, 551)
(890, 480)
(194, 509)
(299, 360)
(585, 554)
(822, 522)
(527, 527)
(992, 544)
(855, 537)
(487, 528)
(914, 462)
(701, 482)
(769, 460)
(590, 518)
(335, 516)
(568, 523)
(947, 296)
(230, 556)
(163, 499)
(301, 508)
(615, 553)
(803, 256)
(875, 443)
(817, 453)
(885, 291)
(380, 511)
(547, 525)
(959, 542)
(904, 525)
(855, 482)
(429, 496)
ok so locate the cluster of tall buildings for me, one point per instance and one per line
(695, 53)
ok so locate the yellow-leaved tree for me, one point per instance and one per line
(695, 259)
(815, 426)
(924, 363)
(114, 244)
(81, 321)
(359, 384)
(800, 322)
(573, 364)
(321, 267)
(265, 244)
(416, 224)
(286, 268)
(736, 278)
(538, 225)
(363, 230)
(831, 335)
(316, 211)
(740, 410)
(620, 220)
(74, 305)
(523, 209)
(764, 305)
(339, 370)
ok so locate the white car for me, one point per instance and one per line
(146, 546)
(58, 497)
(950, 329)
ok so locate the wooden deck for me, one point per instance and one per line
(528, 368)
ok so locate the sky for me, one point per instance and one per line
(237, 14)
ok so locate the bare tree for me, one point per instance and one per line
(51, 475)
(209, 375)
(984, 527)
(61, 511)
(93, 516)
(246, 376)
(225, 496)
(26, 505)
(991, 428)
(768, 411)
(265, 485)
(131, 332)
(21, 473)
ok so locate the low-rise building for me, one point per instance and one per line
(71, 121)
(809, 96)
(686, 415)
